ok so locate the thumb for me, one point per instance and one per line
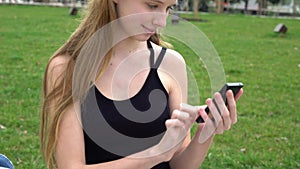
(173, 123)
(204, 116)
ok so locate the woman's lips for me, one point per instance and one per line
(148, 30)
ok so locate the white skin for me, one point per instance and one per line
(184, 152)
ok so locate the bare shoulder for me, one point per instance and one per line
(174, 55)
(58, 63)
(55, 69)
(171, 57)
(172, 70)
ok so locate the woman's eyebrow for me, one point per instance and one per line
(161, 2)
(158, 1)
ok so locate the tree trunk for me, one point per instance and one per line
(219, 6)
(187, 5)
(294, 8)
(259, 7)
(246, 7)
(262, 6)
(195, 9)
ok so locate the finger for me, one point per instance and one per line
(231, 106)
(187, 107)
(170, 123)
(216, 117)
(207, 129)
(226, 119)
(181, 115)
(203, 114)
(239, 94)
(192, 110)
(175, 129)
(224, 111)
(219, 103)
(199, 107)
(205, 117)
(220, 128)
(185, 118)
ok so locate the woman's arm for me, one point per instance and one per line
(192, 153)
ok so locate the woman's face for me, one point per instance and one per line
(141, 18)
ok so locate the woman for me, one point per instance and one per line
(156, 130)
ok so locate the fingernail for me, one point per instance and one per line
(181, 114)
(184, 114)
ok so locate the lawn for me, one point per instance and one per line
(267, 133)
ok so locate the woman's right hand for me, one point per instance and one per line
(178, 128)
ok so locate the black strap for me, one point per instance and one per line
(149, 44)
(160, 57)
(151, 53)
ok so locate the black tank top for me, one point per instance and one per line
(115, 129)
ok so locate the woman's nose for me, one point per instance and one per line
(160, 19)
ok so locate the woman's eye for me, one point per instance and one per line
(170, 9)
(152, 6)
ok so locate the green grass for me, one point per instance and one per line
(267, 64)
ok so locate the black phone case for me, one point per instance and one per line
(235, 87)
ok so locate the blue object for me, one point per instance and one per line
(5, 162)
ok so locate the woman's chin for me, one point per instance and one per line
(142, 37)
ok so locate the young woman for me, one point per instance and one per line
(123, 111)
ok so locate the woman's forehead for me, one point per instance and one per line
(165, 1)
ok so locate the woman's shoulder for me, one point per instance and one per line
(171, 55)
(57, 65)
(173, 64)
(58, 61)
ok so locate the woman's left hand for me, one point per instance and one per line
(223, 117)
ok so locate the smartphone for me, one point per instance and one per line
(235, 87)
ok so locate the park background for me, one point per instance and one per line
(268, 63)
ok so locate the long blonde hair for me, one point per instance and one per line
(98, 14)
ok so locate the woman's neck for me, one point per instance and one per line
(127, 47)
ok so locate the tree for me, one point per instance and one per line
(262, 5)
(246, 6)
(295, 7)
(187, 5)
(274, 1)
(219, 6)
(195, 9)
